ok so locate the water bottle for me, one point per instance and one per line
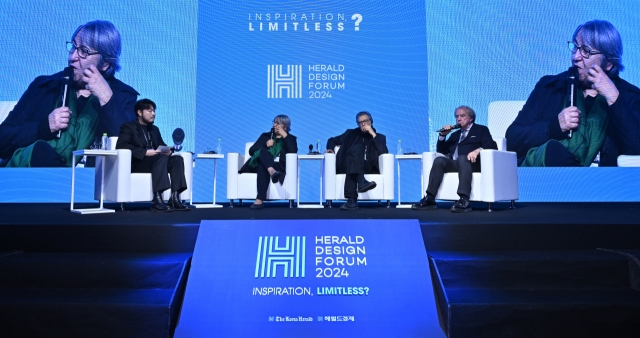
(105, 139)
(219, 147)
(399, 151)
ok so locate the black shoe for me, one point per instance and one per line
(277, 177)
(425, 203)
(352, 204)
(158, 203)
(461, 206)
(256, 206)
(176, 203)
(365, 185)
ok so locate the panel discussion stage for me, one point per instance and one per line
(541, 269)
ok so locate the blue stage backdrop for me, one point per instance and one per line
(309, 278)
(320, 63)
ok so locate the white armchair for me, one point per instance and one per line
(121, 185)
(385, 183)
(496, 181)
(498, 176)
(244, 186)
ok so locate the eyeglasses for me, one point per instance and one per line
(363, 122)
(585, 51)
(83, 51)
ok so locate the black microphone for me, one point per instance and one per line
(311, 149)
(67, 74)
(178, 138)
(456, 126)
(572, 79)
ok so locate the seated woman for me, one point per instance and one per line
(270, 145)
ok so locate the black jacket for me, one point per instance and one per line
(29, 119)
(374, 146)
(290, 147)
(478, 137)
(130, 139)
(537, 122)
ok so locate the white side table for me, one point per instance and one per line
(405, 158)
(215, 158)
(320, 158)
(90, 152)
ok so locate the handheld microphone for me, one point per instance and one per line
(573, 74)
(178, 138)
(67, 74)
(456, 126)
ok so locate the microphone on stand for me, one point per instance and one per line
(456, 126)
(66, 76)
(573, 74)
(178, 138)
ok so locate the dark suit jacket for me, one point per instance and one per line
(537, 122)
(478, 137)
(290, 147)
(29, 119)
(375, 146)
(130, 139)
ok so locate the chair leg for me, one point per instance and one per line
(240, 202)
(513, 204)
(379, 202)
(231, 203)
(490, 210)
(329, 203)
(122, 209)
(290, 204)
(388, 204)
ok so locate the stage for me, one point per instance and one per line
(546, 269)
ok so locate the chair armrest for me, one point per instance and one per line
(427, 162)
(499, 175)
(234, 163)
(291, 179)
(187, 157)
(387, 170)
(629, 161)
(329, 176)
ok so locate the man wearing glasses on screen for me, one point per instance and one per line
(358, 155)
(69, 110)
(572, 116)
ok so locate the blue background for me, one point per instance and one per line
(410, 64)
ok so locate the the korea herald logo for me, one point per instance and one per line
(284, 81)
(274, 252)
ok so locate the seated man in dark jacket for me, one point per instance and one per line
(358, 155)
(143, 139)
(462, 151)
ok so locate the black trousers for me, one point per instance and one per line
(159, 166)
(462, 166)
(265, 161)
(354, 166)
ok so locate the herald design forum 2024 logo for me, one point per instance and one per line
(290, 255)
(284, 81)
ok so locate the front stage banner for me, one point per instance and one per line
(309, 278)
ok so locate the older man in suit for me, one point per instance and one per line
(463, 149)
